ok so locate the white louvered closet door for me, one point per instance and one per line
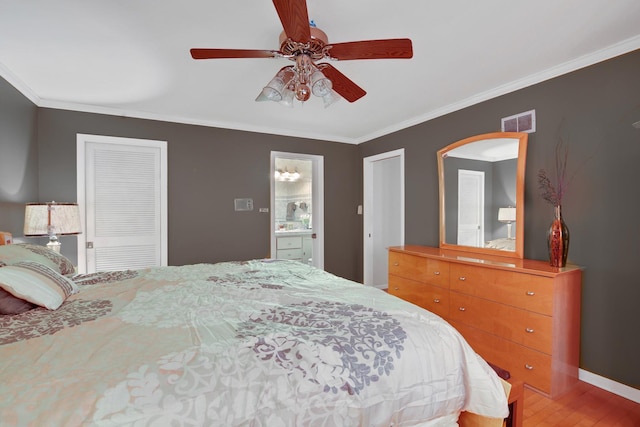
(124, 198)
(470, 205)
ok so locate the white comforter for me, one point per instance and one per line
(258, 343)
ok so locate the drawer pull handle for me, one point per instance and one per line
(436, 300)
(462, 278)
(437, 273)
(529, 367)
(396, 288)
(461, 308)
(529, 330)
(530, 293)
(396, 264)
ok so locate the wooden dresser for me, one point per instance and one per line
(522, 315)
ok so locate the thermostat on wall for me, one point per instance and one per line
(243, 204)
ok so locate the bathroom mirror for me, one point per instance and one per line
(482, 194)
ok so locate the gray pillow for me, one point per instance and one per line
(12, 305)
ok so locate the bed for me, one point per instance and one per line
(252, 343)
(503, 244)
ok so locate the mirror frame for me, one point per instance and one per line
(520, 173)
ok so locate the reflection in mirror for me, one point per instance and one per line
(293, 191)
(482, 194)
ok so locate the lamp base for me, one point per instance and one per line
(509, 231)
(54, 245)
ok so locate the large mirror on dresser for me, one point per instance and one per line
(481, 180)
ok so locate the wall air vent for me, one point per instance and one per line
(523, 122)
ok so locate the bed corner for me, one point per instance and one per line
(514, 395)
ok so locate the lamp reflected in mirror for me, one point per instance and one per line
(507, 216)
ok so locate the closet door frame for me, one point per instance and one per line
(83, 140)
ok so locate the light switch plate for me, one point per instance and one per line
(243, 204)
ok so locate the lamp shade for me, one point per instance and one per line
(507, 214)
(51, 219)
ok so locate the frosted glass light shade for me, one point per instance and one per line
(320, 85)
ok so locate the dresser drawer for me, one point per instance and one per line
(433, 298)
(530, 366)
(526, 291)
(520, 326)
(289, 242)
(419, 268)
(294, 254)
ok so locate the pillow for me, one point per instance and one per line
(12, 305)
(11, 254)
(37, 284)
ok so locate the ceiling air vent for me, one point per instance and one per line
(523, 122)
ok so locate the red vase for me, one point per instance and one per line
(558, 240)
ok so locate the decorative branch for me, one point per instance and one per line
(553, 189)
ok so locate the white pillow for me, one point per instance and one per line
(37, 284)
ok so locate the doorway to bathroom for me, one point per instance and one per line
(297, 207)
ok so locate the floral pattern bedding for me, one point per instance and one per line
(257, 343)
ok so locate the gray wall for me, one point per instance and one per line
(504, 194)
(593, 109)
(208, 168)
(18, 157)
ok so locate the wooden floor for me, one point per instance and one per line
(584, 405)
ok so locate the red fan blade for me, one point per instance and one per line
(294, 18)
(232, 53)
(341, 83)
(372, 49)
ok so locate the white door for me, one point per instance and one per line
(470, 205)
(306, 220)
(122, 193)
(383, 213)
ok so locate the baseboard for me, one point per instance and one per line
(614, 387)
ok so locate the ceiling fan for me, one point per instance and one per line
(305, 44)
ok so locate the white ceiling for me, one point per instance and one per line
(487, 150)
(131, 57)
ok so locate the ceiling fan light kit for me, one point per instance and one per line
(306, 45)
(299, 82)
